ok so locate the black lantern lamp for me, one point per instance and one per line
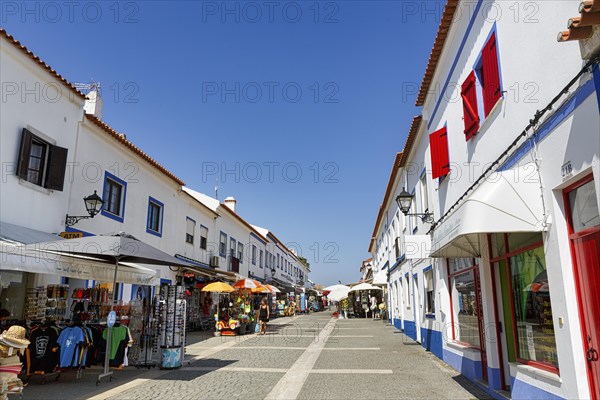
(404, 201)
(93, 204)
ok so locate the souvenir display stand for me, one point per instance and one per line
(172, 319)
(12, 343)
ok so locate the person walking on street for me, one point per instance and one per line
(263, 316)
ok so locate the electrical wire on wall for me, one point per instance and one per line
(526, 133)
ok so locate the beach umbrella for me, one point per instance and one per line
(273, 289)
(218, 287)
(247, 284)
(334, 287)
(364, 286)
(339, 294)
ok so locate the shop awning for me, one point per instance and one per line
(13, 258)
(197, 266)
(509, 201)
(381, 277)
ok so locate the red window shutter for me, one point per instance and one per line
(470, 111)
(491, 75)
(438, 146)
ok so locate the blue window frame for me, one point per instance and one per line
(232, 246)
(241, 252)
(223, 244)
(114, 194)
(154, 221)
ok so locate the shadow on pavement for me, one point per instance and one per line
(471, 387)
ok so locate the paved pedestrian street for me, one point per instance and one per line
(304, 357)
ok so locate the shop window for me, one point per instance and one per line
(114, 197)
(532, 307)
(584, 207)
(41, 163)
(155, 217)
(462, 272)
(222, 244)
(253, 255)
(438, 147)
(190, 228)
(241, 252)
(528, 293)
(203, 237)
(429, 292)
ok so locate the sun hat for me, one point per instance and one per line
(14, 337)
(10, 361)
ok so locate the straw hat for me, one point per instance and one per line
(10, 361)
(14, 337)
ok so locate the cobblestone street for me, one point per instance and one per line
(305, 357)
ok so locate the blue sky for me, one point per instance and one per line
(297, 108)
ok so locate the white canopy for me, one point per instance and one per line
(381, 277)
(77, 267)
(364, 286)
(509, 201)
(335, 287)
(339, 293)
(14, 257)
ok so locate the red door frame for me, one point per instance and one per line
(580, 303)
(479, 300)
(497, 321)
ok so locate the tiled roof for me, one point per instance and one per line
(581, 27)
(244, 222)
(121, 139)
(388, 190)
(399, 162)
(45, 66)
(436, 51)
(410, 139)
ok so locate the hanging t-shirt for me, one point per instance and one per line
(118, 334)
(41, 354)
(68, 340)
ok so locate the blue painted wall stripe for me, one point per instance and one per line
(551, 123)
(596, 72)
(457, 57)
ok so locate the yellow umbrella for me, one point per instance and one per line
(220, 287)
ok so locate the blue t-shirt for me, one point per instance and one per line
(68, 340)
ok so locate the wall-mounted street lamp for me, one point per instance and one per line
(93, 204)
(404, 201)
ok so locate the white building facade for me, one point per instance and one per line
(56, 150)
(506, 158)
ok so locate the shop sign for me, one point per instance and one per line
(566, 171)
(71, 235)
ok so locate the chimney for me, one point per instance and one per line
(230, 202)
(93, 103)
